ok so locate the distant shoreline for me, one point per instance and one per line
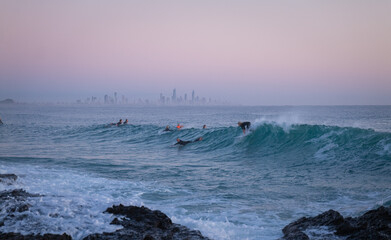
(10, 101)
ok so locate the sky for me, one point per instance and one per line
(264, 52)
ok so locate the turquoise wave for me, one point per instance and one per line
(265, 139)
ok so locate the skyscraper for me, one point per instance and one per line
(174, 95)
(192, 96)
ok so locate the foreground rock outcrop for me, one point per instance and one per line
(145, 224)
(137, 222)
(8, 178)
(14, 201)
(375, 224)
(48, 236)
(141, 223)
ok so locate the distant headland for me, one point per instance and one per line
(7, 101)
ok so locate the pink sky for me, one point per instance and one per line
(249, 52)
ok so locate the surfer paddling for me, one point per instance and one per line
(244, 126)
(183, 143)
(179, 126)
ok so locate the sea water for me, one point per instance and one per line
(294, 162)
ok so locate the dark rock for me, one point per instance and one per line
(143, 215)
(148, 237)
(375, 224)
(345, 229)
(19, 208)
(16, 194)
(14, 200)
(8, 178)
(138, 222)
(329, 218)
(298, 235)
(48, 236)
(116, 221)
(144, 224)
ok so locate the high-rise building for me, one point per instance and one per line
(192, 96)
(174, 95)
(162, 98)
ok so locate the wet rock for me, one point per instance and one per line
(329, 218)
(145, 224)
(375, 224)
(143, 216)
(137, 222)
(8, 178)
(14, 200)
(18, 194)
(19, 208)
(48, 236)
(296, 236)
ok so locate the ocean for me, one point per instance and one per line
(295, 161)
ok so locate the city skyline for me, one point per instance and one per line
(174, 99)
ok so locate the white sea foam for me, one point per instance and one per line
(384, 147)
(282, 122)
(321, 233)
(387, 149)
(222, 228)
(326, 152)
(74, 203)
(70, 202)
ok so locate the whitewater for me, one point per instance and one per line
(294, 162)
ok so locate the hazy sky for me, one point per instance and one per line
(249, 52)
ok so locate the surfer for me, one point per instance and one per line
(183, 143)
(204, 127)
(244, 126)
(126, 121)
(179, 126)
(167, 129)
(120, 122)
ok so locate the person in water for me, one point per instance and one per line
(120, 122)
(244, 126)
(126, 121)
(183, 143)
(1, 122)
(167, 129)
(179, 126)
(204, 127)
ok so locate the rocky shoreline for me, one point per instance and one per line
(145, 224)
(374, 224)
(137, 222)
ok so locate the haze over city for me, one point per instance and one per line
(242, 52)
